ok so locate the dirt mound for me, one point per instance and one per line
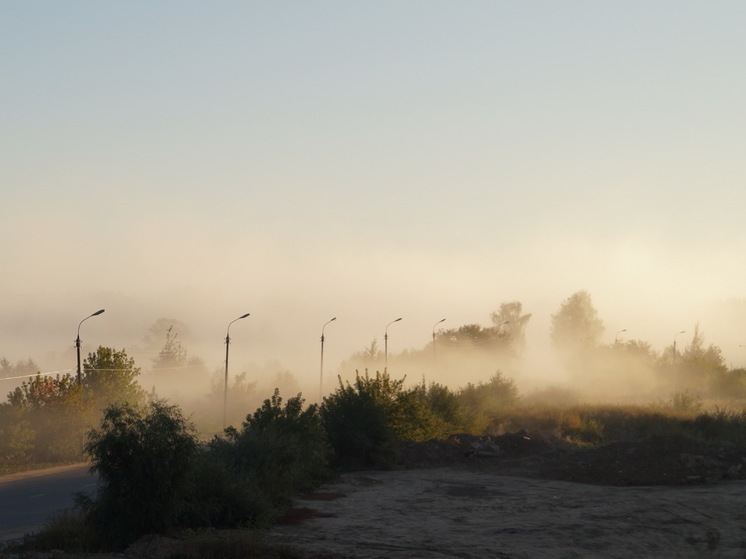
(655, 461)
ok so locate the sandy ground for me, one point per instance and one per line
(460, 513)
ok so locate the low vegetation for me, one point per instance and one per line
(159, 476)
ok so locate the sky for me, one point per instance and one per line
(367, 161)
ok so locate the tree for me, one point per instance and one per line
(153, 340)
(474, 336)
(484, 403)
(56, 411)
(364, 419)
(16, 437)
(510, 320)
(110, 376)
(173, 353)
(576, 328)
(144, 458)
(700, 366)
(21, 368)
(283, 447)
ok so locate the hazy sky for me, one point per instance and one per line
(367, 160)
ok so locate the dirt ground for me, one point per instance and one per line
(522, 496)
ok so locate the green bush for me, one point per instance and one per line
(365, 419)
(16, 438)
(485, 404)
(52, 414)
(282, 449)
(145, 459)
(356, 421)
(721, 425)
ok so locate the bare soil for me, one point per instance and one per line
(523, 496)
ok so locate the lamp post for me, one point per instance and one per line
(674, 344)
(227, 345)
(386, 344)
(616, 338)
(77, 341)
(434, 325)
(321, 372)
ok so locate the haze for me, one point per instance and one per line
(369, 161)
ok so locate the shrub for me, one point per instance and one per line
(356, 423)
(282, 449)
(721, 425)
(16, 438)
(364, 420)
(485, 404)
(446, 414)
(145, 458)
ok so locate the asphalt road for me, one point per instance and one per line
(29, 499)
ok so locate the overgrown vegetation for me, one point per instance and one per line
(45, 420)
(157, 475)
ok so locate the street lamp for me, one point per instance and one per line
(616, 338)
(434, 325)
(321, 373)
(227, 345)
(77, 341)
(386, 344)
(674, 344)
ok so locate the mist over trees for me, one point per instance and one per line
(46, 417)
(576, 328)
(24, 367)
(160, 469)
(510, 319)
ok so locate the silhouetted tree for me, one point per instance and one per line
(510, 320)
(110, 376)
(576, 327)
(172, 354)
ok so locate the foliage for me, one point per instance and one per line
(473, 336)
(356, 422)
(576, 327)
(699, 364)
(283, 448)
(242, 395)
(364, 419)
(20, 369)
(484, 404)
(55, 411)
(448, 417)
(510, 318)
(67, 530)
(42, 391)
(155, 476)
(721, 425)
(52, 414)
(144, 457)
(110, 377)
(172, 354)
(16, 438)
(685, 402)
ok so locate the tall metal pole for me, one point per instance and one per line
(77, 343)
(435, 356)
(616, 338)
(227, 344)
(321, 373)
(386, 344)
